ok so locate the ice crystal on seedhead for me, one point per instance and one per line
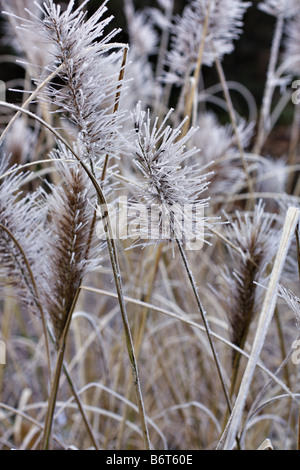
(225, 23)
(167, 181)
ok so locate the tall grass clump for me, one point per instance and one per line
(149, 228)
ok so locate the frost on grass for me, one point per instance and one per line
(21, 219)
(168, 180)
(224, 26)
(89, 77)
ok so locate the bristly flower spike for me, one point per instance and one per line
(168, 181)
(89, 77)
(225, 25)
(70, 242)
(257, 237)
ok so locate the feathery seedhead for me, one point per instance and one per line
(287, 8)
(272, 175)
(143, 37)
(87, 95)
(256, 237)
(225, 23)
(168, 181)
(69, 240)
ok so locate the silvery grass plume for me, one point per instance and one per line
(256, 237)
(87, 96)
(170, 188)
(24, 42)
(70, 239)
(21, 219)
(287, 8)
(225, 26)
(143, 37)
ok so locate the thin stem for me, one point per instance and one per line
(53, 397)
(298, 248)
(191, 96)
(269, 88)
(298, 437)
(282, 345)
(233, 119)
(205, 321)
(118, 283)
(78, 401)
(117, 103)
(41, 121)
(298, 259)
(28, 101)
(56, 377)
(129, 341)
(139, 336)
(164, 41)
